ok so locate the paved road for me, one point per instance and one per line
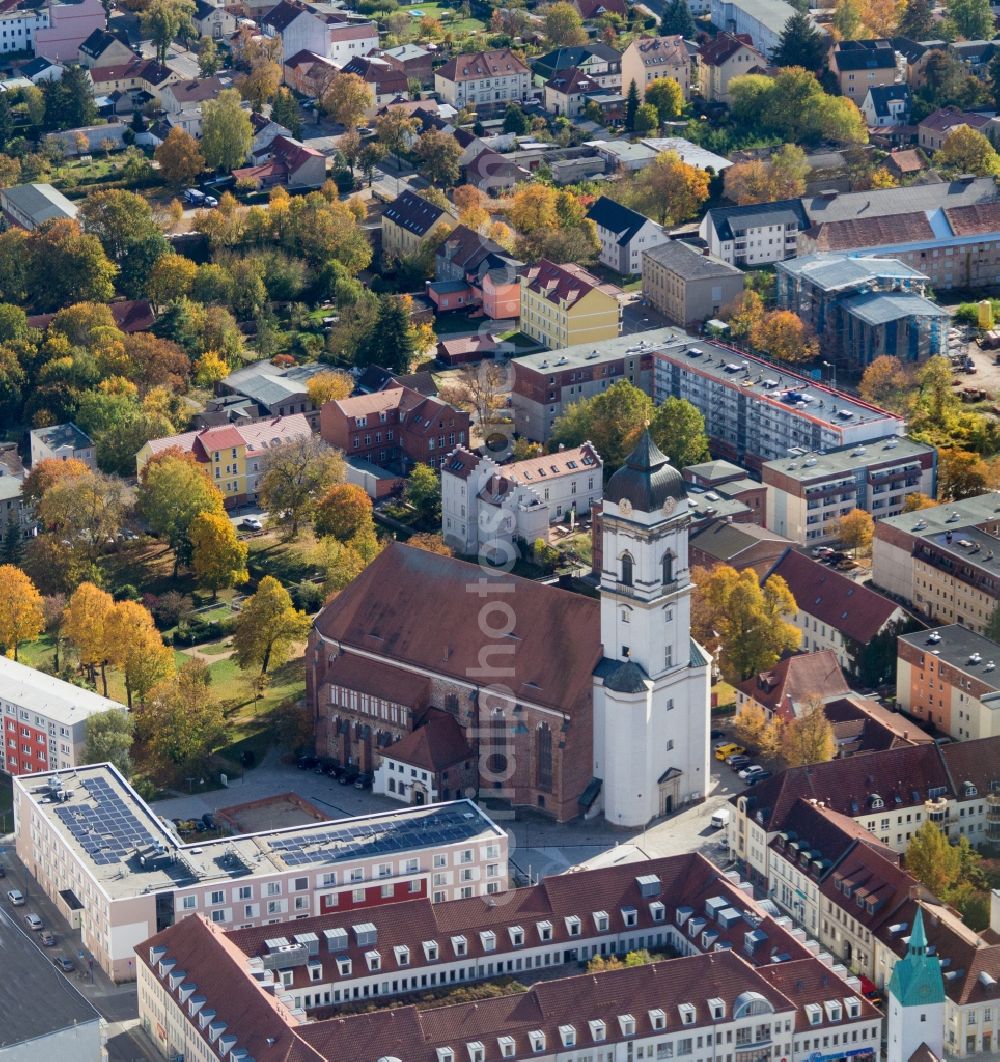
(115, 1003)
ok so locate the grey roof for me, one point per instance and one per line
(36, 1000)
(807, 467)
(834, 272)
(772, 14)
(710, 469)
(693, 154)
(887, 201)
(925, 523)
(865, 55)
(959, 646)
(880, 307)
(579, 355)
(406, 51)
(10, 488)
(682, 258)
(270, 386)
(729, 220)
(627, 678)
(63, 436)
(971, 549)
(882, 94)
(605, 213)
(647, 479)
(727, 541)
(40, 202)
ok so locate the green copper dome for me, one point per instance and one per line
(916, 978)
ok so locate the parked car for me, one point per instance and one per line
(364, 780)
(34, 922)
(753, 779)
(306, 763)
(723, 752)
(739, 762)
(64, 964)
(751, 770)
(208, 821)
(48, 939)
(16, 897)
(251, 523)
(349, 775)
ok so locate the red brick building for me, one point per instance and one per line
(394, 429)
(409, 635)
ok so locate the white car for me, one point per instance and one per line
(34, 922)
(751, 770)
(251, 523)
(16, 897)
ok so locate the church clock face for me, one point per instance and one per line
(625, 507)
(669, 505)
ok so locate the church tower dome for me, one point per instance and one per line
(646, 480)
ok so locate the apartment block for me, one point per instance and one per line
(740, 978)
(44, 719)
(944, 561)
(547, 384)
(687, 286)
(119, 874)
(948, 678)
(562, 305)
(755, 411)
(808, 492)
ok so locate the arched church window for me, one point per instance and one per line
(544, 750)
(627, 565)
(668, 567)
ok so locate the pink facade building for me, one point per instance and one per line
(69, 25)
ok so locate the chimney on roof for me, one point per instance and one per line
(562, 446)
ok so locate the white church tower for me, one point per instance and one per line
(651, 690)
(915, 1016)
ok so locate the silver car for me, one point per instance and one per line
(16, 897)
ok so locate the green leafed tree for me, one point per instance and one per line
(611, 420)
(677, 18)
(801, 44)
(109, 739)
(226, 131)
(678, 429)
(268, 626)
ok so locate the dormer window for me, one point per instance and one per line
(506, 1045)
(445, 1054)
(477, 1053)
(627, 1023)
(489, 940)
(374, 960)
(658, 1019)
(537, 1040)
(814, 1013)
(627, 566)
(567, 1033)
(402, 955)
(573, 925)
(688, 1012)
(344, 966)
(598, 1030)
(516, 936)
(430, 950)
(460, 945)
(629, 916)
(544, 930)
(657, 911)
(601, 921)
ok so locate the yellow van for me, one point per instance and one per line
(723, 752)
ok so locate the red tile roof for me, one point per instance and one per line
(436, 744)
(834, 599)
(724, 46)
(363, 674)
(901, 777)
(563, 283)
(394, 608)
(501, 62)
(785, 687)
(975, 219)
(871, 232)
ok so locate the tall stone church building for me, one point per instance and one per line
(449, 679)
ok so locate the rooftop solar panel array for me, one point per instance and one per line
(438, 827)
(105, 827)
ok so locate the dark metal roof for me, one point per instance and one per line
(627, 678)
(647, 479)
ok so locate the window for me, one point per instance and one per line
(544, 752)
(218, 896)
(627, 566)
(668, 568)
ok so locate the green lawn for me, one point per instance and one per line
(448, 17)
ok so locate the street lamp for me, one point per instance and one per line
(833, 372)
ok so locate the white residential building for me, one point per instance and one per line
(44, 719)
(625, 235)
(754, 235)
(493, 77)
(315, 27)
(62, 442)
(483, 502)
(114, 869)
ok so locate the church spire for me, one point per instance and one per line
(916, 978)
